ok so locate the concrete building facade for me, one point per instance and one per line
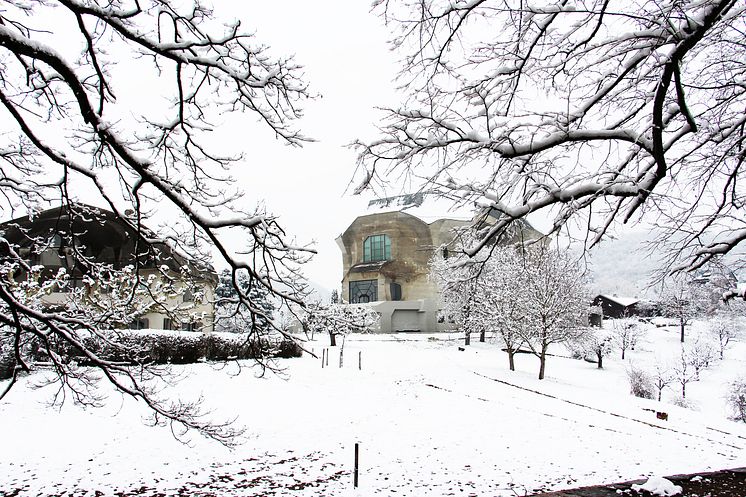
(385, 257)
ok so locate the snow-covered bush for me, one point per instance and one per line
(287, 349)
(158, 347)
(736, 398)
(7, 362)
(640, 383)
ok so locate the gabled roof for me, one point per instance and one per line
(623, 301)
(102, 227)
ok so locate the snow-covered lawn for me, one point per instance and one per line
(430, 420)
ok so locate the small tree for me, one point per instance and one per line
(700, 354)
(627, 332)
(683, 301)
(599, 342)
(724, 330)
(683, 373)
(736, 399)
(340, 319)
(552, 299)
(482, 293)
(661, 377)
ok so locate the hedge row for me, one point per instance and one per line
(144, 347)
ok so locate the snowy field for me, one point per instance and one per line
(431, 420)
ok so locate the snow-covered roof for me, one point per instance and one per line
(427, 206)
(623, 301)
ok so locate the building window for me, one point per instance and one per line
(168, 324)
(377, 248)
(395, 291)
(191, 326)
(140, 324)
(363, 291)
(188, 295)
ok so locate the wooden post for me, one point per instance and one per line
(323, 356)
(360, 360)
(327, 356)
(354, 478)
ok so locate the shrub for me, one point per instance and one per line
(287, 349)
(736, 398)
(640, 383)
(7, 362)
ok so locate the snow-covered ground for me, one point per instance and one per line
(430, 419)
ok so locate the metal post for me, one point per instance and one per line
(360, 359)
(354, 478)
(323, 356)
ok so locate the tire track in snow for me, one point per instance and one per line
(613, 413)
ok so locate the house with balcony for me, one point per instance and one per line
(386, 254)
(79, 238)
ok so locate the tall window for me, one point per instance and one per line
(377, 248)
(363, 291)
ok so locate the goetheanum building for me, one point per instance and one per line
(386, 255)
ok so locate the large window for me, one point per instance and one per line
(377, 248)
(363, 291)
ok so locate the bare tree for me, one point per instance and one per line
(72, 125)
(627, 332)
(700, 354)
(340, 319)
(724, 329)
(553, 300)
(484, 295)
(683, 300)
(599, 342)
(661, 377)
(596, 112)
(683, 372)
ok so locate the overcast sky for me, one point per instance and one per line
(343, 48)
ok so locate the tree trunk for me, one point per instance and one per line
(600, 360)
(511, 359)
(332, 339)
(481, 336)
(623, 349)
(542, 364)
(660, 392)
(467, 338)
(683, 390)
(681, 322)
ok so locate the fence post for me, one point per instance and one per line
(360, 360)
(327, 356)
(323, 356)
(355, 476)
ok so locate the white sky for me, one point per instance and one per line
(343, 48)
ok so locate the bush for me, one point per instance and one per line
(7, 362)
(287, 349)
(736, 399)
(640, 383)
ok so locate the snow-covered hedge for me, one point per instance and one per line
(179, 347)
(7, 362)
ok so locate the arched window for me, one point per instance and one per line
(377, 248)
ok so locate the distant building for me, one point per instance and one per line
(386, 255)
(70, 239)
(612, 306)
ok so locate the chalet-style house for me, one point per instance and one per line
(615, 307)
(73, 237)
(386, 255)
